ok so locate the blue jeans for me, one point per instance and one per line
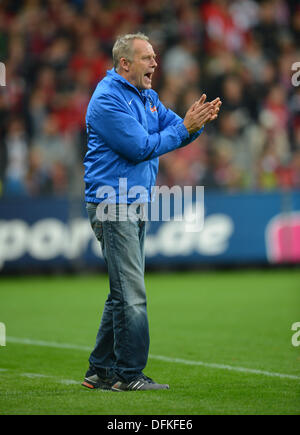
(122, 342)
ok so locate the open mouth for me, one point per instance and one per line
(148, 76)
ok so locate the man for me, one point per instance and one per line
(128, 129)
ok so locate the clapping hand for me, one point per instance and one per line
(200, 113)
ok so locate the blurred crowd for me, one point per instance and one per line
(55, 52)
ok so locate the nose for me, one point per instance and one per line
(154, 63)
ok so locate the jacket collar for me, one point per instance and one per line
(115, 76)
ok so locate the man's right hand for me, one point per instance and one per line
(198, 114)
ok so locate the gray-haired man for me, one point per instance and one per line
(128, 129)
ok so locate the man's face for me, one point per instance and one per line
(141, 69)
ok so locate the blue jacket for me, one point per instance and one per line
(127, 131)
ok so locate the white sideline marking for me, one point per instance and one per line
(157, 357)
(38, 375)
(54, 378)
(224, 367)
(61, 381)
(47, 344)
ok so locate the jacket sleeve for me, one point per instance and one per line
(123, 133)
(168, 117)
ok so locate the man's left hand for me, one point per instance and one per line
(216, 107)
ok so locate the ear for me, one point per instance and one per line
(124, 64)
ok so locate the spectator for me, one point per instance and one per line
(17, 153)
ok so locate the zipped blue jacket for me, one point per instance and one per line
(127, 131)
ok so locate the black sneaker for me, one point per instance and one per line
(141, 383)
(148, 379)
(93, 381)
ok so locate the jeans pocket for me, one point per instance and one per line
(95, 223)
(98, 230)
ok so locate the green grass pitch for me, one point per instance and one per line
(221, 339)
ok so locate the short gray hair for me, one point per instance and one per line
(123, 47)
